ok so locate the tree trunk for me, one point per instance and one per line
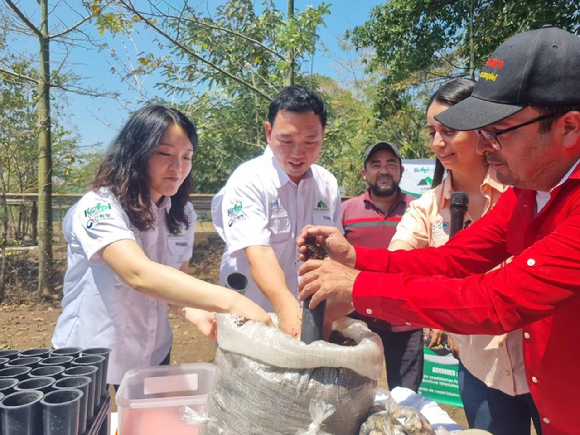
(45, 266)
(291, 58)
(471, 45)
(4, 240)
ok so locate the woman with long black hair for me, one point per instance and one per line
(129, 244)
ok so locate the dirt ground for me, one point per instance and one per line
(26, 324)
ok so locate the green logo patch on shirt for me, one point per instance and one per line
(99, 208)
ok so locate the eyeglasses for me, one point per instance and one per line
(491, 136)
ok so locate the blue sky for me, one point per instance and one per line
(97, 119)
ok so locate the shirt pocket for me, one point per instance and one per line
(280, 228)
(179, 249)
(323, 218)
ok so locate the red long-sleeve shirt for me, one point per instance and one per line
(539, 291)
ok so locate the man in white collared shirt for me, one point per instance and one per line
(268, 200)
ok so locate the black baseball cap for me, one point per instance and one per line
(381, 146)
(539, 67)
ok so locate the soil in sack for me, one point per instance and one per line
(265, 379)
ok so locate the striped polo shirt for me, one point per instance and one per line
(366, 225)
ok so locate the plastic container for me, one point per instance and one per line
(10, 353)
(21, 414)
(42, 352)
(67, 351)
(149, 400)
(50, 371)
(31, 362)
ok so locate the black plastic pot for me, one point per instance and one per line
(99, 362)
(106, 352)
(60, 412)
(44, 385)
(237, 281)
(31, 362)
(42, 352)
(64, 361)
(7, 385)
(50, 371)
(20, 413)
(19, 373)
(81, 383)
(67, 351)
(3, 361)
(91, 372)
(10, 353)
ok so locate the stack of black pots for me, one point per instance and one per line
(54, 391)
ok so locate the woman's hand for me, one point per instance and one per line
(203, 320)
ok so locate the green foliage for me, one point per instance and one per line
(19, 135)
(426, 42)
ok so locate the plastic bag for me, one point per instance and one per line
(265, 380)
(319, 411)
(396, 420)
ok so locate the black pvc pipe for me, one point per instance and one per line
(20, 413)
(31, 362)
(67, 351)
(91, 372)
(64, 361)
(7, 385)
(99, 362)
(10, 353)
(312, 321)
(237, 281)
(42, 352)
(19, 373)
(81, 383)
(50, 371)
(44, 385)
(60, 412)
(106, 352)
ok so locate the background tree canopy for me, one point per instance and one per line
(420, 43)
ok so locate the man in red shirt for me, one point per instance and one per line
(526, 108)
(371, 220)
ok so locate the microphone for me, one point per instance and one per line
(458, 207)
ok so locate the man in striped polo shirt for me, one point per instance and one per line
(371, 220)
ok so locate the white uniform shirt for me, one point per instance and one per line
(260, 205)
(99, 308)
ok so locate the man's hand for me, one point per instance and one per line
(290, 319)
(204, 320)
(326, 280)
(433, 337)
(334, 311)
(452, 346)
(331, 240)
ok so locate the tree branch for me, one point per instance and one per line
(233, 32)
(18, 76)
(132, 9)
(72, 28)
(25, 20)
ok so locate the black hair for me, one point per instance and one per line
(450, 93)
(297, 99)
(557, 111)
(123, 170)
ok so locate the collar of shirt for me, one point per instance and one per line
(367, 199)
(489, 182)
(542, 198)
(283, 177)
(165, 204)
